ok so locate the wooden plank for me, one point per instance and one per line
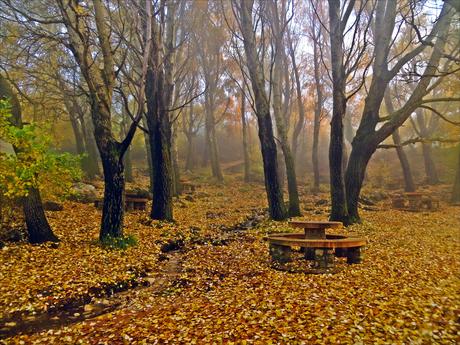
(315, 225)
(311, 243)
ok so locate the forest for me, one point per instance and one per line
(229, 172)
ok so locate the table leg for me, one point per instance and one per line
(281, 254)
(324, 258)
(341, 252)
(309, 253)
(354, 255)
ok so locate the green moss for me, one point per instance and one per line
(120, 243)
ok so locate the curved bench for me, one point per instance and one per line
(323, 249)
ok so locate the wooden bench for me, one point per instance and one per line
(131, 203)
(415, 202)
(280, 247)
(188, 187)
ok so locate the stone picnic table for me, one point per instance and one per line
(415, 201)
(316, 244)
(315, 229)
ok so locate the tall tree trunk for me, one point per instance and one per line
(339, 211)
(38, 228)
(177, 188)
(301, 120)
(455, 198)
(77, 134)
(425, 132)
(409, 185)
(281, 121)
(189, 160)
(211, 140)
(162, 169)
(190, 135)
(205, 152)
(244, 125)
(92, 160)
(159, 90)
(430, 168)
(149, 154)
(314, 154)
(114, 187)
(317, 117)
(127, 162)
(267, 142)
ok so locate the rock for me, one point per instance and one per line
(202, 195)
(52, 206)
(322, 202)
(88, 308)
(172, 245)
(84, 193)
(13, 234)
(366, 201)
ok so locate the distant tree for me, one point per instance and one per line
(425, 126)
(455, 198)
(409, 185)
(278, 21)
(245, 129)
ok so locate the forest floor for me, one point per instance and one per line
(208, 279)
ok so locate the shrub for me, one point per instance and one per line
(122, 243)
(32, 163)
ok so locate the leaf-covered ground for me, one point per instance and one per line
(406, 291)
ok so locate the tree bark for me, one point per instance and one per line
(267, 142)
(114, 187)
(301, 120)
(38, 228)
(409, 185)
(425, 132)
(339, 210)
(159, 91)
(211, 140)
(92, 161)
(177, 187)
(244, 125)
(317, 117)
(149, 154)
(190, 135)
(430, 168)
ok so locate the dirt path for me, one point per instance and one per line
(121, 294)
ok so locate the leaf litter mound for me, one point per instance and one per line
(406, 291)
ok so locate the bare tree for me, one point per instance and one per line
(244, 17)
(373, 129)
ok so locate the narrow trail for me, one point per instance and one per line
(27, 324)
(119, 295)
